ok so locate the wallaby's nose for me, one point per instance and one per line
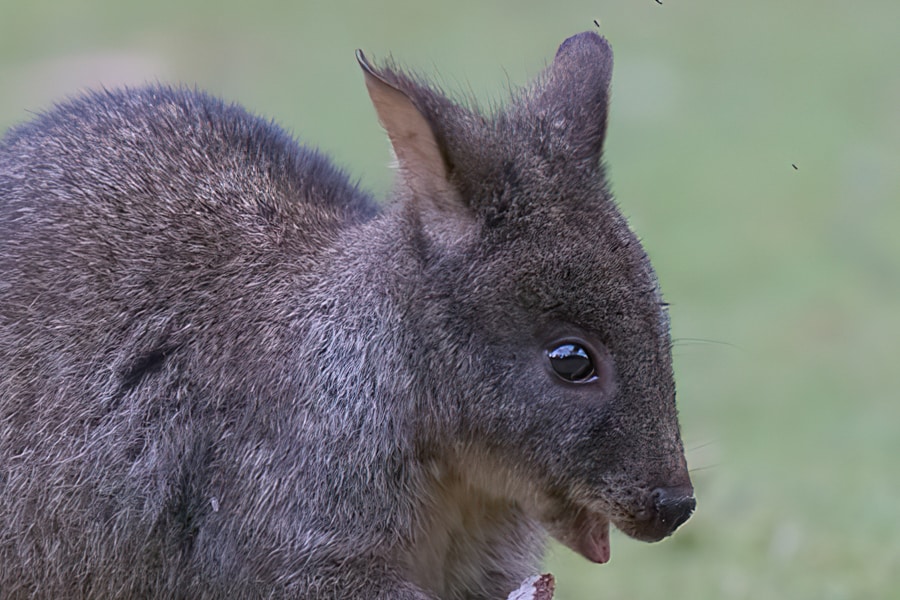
(666, 508)
(673, 507)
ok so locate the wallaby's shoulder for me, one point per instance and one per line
(179, 148)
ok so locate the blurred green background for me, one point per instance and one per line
(784, 281)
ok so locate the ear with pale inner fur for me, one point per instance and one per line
(422, 160)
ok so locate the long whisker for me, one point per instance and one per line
(703, 445)
(684, 341)
(705, 468)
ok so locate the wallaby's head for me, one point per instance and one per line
(547, 341)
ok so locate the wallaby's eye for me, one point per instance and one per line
(572, 362)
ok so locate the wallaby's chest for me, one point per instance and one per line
(472, 545)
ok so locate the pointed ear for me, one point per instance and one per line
(421, 157)
(574, 91)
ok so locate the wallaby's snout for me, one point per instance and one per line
(667, 509)
(673, 506)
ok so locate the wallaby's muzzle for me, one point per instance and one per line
(668, 508)
(586, 530)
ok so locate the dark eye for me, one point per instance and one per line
(572, 362)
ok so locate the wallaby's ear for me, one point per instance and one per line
(421, 156)
(574, 93)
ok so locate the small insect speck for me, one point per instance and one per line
(659, 2)
(596, 22)
(795, 166)
(215, 504)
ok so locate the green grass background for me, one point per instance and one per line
(790, 407)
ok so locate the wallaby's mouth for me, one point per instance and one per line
(591, 538)
(587, 533)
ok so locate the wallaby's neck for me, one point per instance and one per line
(457, 522)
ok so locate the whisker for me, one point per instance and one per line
(684, 341)
(703, 445)
(706, 468)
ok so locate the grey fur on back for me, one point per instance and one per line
(226, 372)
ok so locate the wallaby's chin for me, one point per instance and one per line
(584, 531)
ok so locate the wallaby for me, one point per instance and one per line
(227, 372)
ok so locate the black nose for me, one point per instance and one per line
(673, 507)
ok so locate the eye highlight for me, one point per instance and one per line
(572, 362)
